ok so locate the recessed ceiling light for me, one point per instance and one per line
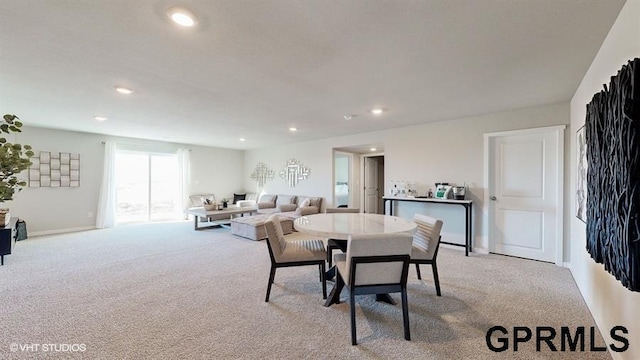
(376, 111)
(348, 117)
(293, 129)
(242, 139)
(373, 149)
(123, 90)
(100, 118)
(181, 16)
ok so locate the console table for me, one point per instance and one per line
(468, 212)
(7, 238)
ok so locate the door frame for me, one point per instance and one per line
(487, 207)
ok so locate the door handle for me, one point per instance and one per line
(493, 198)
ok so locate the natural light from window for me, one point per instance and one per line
(147, 187)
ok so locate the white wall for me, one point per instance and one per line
(48, 210)
(444, 151)
(610, 303)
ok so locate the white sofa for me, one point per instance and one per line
(288, 207)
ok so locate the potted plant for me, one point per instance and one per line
(14, 159)
(225, 202)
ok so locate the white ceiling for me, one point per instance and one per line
(253, 68)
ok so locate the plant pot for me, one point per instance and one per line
(4, 217)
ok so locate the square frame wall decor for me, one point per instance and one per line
(54, 169)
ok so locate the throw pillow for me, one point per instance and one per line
(286, 207)
(307, 210)
(268, 199)
(266, 205)
(238, 197)
(285, 199)
(306, 202)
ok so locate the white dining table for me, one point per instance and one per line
(339, 226)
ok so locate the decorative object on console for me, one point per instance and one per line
(442, 190)
(294, 171)
(394, 189)
(262, 174)
(612, 133)
(55, 169)
(459, 192)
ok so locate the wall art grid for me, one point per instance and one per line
(54, 169)
(612, 132)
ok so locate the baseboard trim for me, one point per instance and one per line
(60, 231)
(477, 250)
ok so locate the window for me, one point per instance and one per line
(147, 187)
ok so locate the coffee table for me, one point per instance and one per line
(218, 218)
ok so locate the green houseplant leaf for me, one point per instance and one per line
(14, 159)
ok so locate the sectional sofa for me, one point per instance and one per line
(288, 207)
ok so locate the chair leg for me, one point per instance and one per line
(434, 267)
(324, 281)
(329, 255)
(352, 305)
(418, 271)
(271, 276)
(405, 315)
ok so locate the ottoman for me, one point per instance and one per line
(252, 227)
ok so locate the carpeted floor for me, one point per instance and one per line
(165, 291)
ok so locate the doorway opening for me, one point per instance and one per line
(147, 187)
(343, 179)
(373, 180)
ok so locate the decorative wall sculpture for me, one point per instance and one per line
(262, 174)
(612, 130)
(293, 172)
(54, 169)
(581, 176)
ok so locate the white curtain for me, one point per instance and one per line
(185, 178)
(106, 214)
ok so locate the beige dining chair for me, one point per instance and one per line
(374, 264)
(426, 242)
(333, 244)
(292, 253)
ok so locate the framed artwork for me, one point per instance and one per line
(581, 175)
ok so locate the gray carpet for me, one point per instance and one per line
(165, 291)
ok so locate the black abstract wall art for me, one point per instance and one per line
(612, 129)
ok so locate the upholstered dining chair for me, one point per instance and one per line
(375, 264)
(292, 253)
(426, 242)
(333, 244)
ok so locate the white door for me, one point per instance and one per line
(370, 185)
(525, 203)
